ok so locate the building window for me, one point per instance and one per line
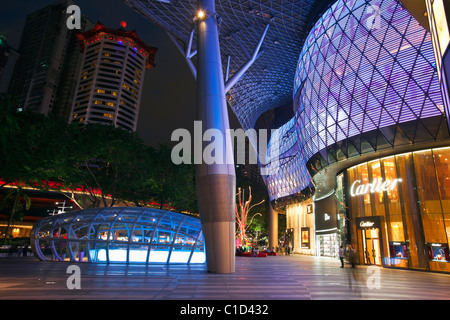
(415, 209)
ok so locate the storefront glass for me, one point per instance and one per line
(300, 218)
(407, 195)
(428, 192)
(328, 245)
(442, 163)
(396, 232)
(411, 192)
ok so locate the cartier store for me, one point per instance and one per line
(399, 210)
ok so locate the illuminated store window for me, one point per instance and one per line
(393, 201)
(378, 197)
(428, 192)
(415, 197)
(405, 172)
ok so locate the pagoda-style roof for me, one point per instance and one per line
(101, 28)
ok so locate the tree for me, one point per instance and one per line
(16, 195)
(91, 164)
(242, 210)
(171, 184)
(104, 162)
(8, 122)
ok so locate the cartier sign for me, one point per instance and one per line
(369, 222)
(366, 224)
(377, 185)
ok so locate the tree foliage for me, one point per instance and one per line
(18, 200)
(100, 163)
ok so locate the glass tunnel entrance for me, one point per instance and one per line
(119, 235)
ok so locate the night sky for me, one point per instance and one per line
(169, 94)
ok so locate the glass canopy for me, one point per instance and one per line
(119, 235)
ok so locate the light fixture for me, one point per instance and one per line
(201, 15)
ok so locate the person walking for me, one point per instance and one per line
(341, 255)
(352, 256)
(368, 257)
(25, 249)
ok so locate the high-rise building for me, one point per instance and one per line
(111, 78)
(43, 75)
(8, 56)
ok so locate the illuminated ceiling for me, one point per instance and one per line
(268, 83)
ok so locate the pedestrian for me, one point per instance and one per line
(368, 257)
(341, 255)
(25, 248)
(352, 256)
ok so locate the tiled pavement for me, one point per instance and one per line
(271, 278)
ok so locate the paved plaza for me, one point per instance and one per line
(272, 278)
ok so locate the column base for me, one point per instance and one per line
(216, 195)
(219, 243)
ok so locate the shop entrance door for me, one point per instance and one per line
(371, 241)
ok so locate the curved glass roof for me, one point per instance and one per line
(119, 235)
(365, 81)
(268, 82)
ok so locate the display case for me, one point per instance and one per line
(328, 245)
(438, 252)
(398, 250)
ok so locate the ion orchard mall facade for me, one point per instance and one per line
(366, 157)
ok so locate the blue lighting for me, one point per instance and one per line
(119, 235)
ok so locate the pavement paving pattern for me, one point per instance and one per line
(257, 279)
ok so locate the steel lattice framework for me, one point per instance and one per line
(119, 234)
(268, 83)
(366, 81)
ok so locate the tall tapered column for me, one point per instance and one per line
(216, 181)
(273, 227)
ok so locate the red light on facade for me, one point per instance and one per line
(123, 24)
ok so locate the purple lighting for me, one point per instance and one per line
(366, 69)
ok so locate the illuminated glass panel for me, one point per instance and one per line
(366, 80)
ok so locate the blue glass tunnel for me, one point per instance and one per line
(119, 235)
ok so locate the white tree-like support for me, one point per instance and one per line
(242, 210)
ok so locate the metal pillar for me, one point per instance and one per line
(273, 227)
(216, 182)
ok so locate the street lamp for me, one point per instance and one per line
(61, 209)
(201, 15)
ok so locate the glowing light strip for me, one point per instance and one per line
(156, 256)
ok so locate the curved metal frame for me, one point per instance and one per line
(365, 75)
(268, 83)
(63, 231)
